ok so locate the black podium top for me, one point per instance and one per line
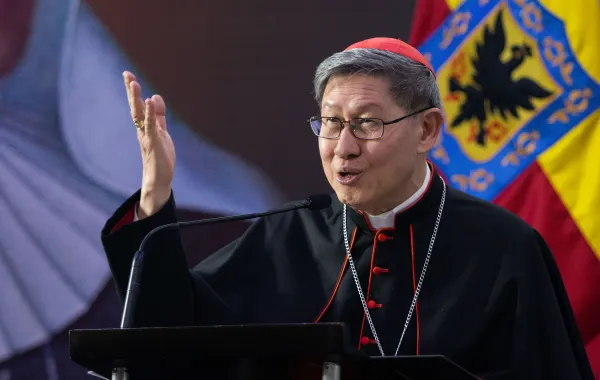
(244, 352)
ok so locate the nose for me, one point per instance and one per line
(347, 145)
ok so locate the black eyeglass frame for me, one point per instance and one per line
(349, 122)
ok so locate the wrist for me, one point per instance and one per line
(152, 201)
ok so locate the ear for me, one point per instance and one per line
(431, 126)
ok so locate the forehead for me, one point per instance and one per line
(357, 92)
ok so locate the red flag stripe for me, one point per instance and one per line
(428, 16)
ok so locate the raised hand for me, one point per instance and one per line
(158, 151)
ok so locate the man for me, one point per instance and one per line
(411, 265)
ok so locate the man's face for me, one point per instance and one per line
(369, 175)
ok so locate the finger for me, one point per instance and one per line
(137, 104)
(128, 77)
(150, 120)
(161, 111)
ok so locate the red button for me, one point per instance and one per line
(379, 270)
(365, 340)
(372, 304)
(383, 237)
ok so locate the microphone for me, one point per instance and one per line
(316, 202)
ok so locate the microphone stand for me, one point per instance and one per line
(133, 287)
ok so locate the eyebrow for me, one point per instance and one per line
(360, 108)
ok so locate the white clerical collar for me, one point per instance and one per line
(386, 220)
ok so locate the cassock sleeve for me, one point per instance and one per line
(170, 293)
(166, 296)
(546, 341)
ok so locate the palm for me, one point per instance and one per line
(156, 145)
(158, 152)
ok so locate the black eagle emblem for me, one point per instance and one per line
(493, 88)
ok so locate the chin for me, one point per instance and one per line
(354, 198)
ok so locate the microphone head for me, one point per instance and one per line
(319, 202)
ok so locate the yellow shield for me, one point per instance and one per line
(493, 84)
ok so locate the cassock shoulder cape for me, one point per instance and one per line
(492, 299)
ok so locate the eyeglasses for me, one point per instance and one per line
(362, 128)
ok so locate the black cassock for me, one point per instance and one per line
(492, 299)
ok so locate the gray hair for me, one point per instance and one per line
(412, 84)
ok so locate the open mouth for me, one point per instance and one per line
(347, 177)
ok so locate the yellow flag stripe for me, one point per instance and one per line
(572, 166)
(582, 24)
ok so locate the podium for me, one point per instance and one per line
(283, 351)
